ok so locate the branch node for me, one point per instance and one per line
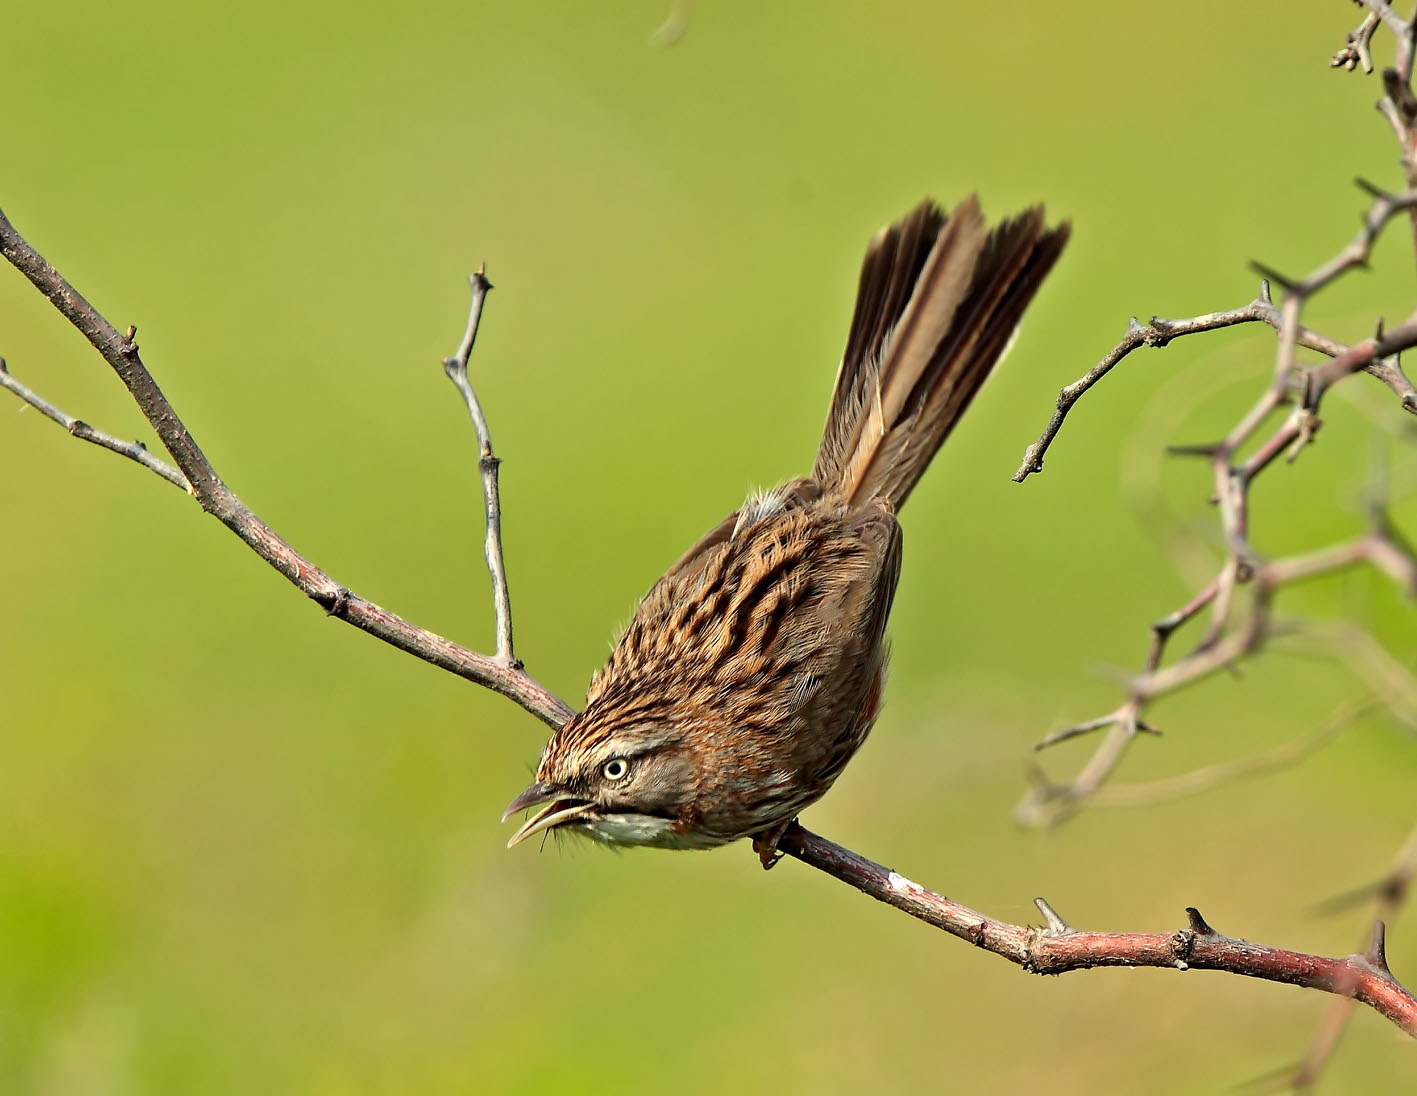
(339, 604)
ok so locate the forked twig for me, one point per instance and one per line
(121, 353)
(487, 464)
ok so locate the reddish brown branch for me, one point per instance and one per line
(1059, 948)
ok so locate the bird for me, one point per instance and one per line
(753, 670)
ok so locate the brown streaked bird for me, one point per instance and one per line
(752, 671)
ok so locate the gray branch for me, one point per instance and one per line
(487, 465)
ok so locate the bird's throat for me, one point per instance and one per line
(647, 830)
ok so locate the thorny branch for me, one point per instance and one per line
(1302, 389)
(1244, 581)
(1052, 950)
(1059, 948)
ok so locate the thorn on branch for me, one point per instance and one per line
(1198, 923)
(1076, 730)
(1272, 276)
(1056, 925)
(1371, 189)
(1377, 951)
(1205, 450)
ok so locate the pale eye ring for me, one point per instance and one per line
(617, 768)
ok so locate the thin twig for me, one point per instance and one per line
(1390, 18)
(1159, 332)
(133, 450)
(1047, 803)
(1358, 51)
(487, 464)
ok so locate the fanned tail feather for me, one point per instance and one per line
(939, 301)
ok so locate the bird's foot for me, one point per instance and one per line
(765, 844)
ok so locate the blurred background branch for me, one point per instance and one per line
(1240, 629)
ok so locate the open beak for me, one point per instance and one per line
(557, 809)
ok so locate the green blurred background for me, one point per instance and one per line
(245, 848)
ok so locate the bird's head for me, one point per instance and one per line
(623, 782)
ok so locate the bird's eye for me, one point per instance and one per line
(617, 768)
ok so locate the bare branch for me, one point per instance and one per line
(1376, 359)
(1060, 948)
(1047, 803)
(487, 464)
(1358, 51)
(1390, 18)
(121, 352)
(1302, 389)
(133, 450)
(1159, 332)
(1385, 206)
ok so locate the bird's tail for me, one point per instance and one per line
(939, 302)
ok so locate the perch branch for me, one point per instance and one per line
(1059, 948)
(121, 353)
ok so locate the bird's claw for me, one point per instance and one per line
(765, 844)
